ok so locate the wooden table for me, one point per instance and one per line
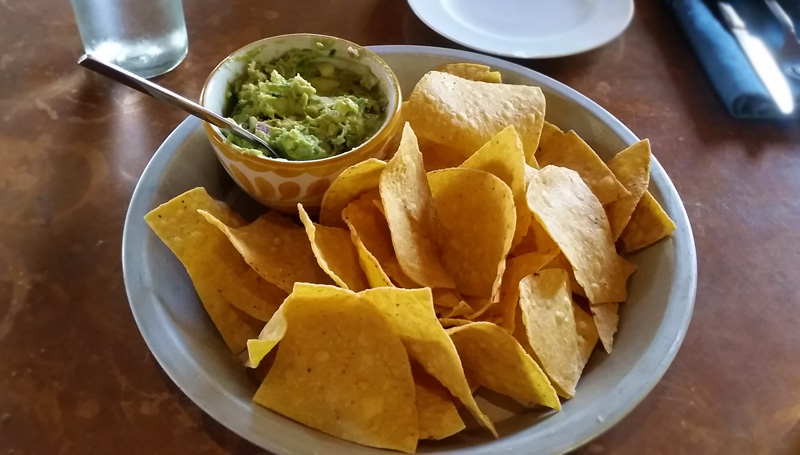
(77, 378)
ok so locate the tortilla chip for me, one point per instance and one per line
(398, 277)
(335, 252)
(537, 240)
(547, 315)
(504, 158)
(275, 329)
(480, 306)
(576, 221)
(276, 248)
(208, 257)
(462, 309)
(550, 133)
(453, 322)
(561, 262)
(341, 369)
(472, 72)
(606, 319)
(504, 312)
(271, 334)
(587, 334)
(632, 168)
(253, 295)
(366, 220)
(376, 276)
(493, 359)
(649, 223)
(532, 163)
(445, 298)
(411, 214)
(570, 151)
(355, 180)
(438, 416)
(477, 220)
(437, 156)
(410, 313)
(464, 114)
(370, 233)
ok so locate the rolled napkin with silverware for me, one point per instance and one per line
(738, 83)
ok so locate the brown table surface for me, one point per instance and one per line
(77, 378)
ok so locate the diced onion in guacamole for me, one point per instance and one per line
(305, 105)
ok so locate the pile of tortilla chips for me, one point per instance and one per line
(484, 253)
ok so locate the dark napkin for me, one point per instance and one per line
(730, 71)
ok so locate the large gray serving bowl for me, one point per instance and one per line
(183, 340)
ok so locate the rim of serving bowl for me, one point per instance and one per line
(384, 130)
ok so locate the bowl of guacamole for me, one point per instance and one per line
(305, 106)
(321, 103)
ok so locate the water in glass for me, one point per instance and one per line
(146, 37)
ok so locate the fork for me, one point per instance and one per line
(789, 54)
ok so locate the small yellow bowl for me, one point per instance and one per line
(281, 184)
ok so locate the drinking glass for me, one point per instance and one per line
(146, 37)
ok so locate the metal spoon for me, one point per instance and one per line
(160, 93)
(789, 54)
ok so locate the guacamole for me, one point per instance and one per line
(306, 104)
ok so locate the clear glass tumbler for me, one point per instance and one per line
(146, 37)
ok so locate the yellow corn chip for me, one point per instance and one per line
(503, 157)
(477, 220)
(437, 156)
(606, 319)
(271, 334)
(253, 295)
(587, 334)
(649, 224)
(462, 309)
(537, 240)
(208, 257)
(276, 248)
(376, 276)
(275, 329)
(410, 313)
(493, 359)
(503, 314)
(464, 114)
(480, 306)
(632, 168)
(561, 262)
(438, 416)
(398, 277)
(411, 215)
(445, 298)
(531, 162)
(576, 221)
(453, 322)
(355, 180)
(365, 219)
(341, 369)
(370, 234)
(335, 253)
(550, 133)
(570, 151)
(471, 71)
(549, 322)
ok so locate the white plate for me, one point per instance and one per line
(185, 343)
(527, 28)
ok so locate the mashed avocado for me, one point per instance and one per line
(306, 104)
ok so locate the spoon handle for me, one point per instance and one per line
(141, 84)
(783, 19)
